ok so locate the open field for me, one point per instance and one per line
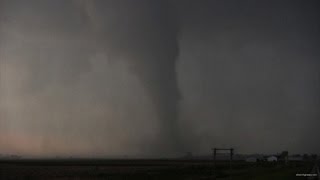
(146, 169)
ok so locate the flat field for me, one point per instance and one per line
(62, 169)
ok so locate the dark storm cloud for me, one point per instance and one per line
(253, 69)
(145, 34)
(58, 53)
(102, 75)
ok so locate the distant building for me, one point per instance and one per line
(272, 159)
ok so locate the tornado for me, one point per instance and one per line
(145, 33)
(155, 65)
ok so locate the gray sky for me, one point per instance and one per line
(156, 78)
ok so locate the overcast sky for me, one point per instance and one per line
(158, 78)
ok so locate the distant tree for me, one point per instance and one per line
(284, 154)
(314, 156)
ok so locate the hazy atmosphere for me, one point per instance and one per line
(158, 78)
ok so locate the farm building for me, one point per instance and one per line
(272, 159)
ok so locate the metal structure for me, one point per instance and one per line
(231, 152)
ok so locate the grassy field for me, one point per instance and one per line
(147, 169)
(273, 172)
